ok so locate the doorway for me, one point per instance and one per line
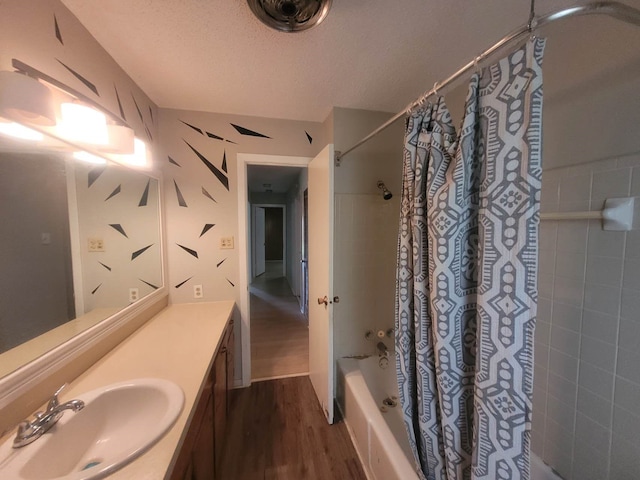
(275, 334)
(269, 239)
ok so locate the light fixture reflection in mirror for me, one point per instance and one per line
(89, 158)
(21, 132)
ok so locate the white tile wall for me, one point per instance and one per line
(586, 419)
(365, 260)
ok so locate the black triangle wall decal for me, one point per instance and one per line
(183, 282)
(247, 132)
(181, 200)
(94, 174)
(122, 115)
(137, 253)
(207, 227)
(117, 190)
(155, 287)
(137, 108)
(219, 175)
(145, 195)
(118, 227)
(211, 135)
(199, 130)
(86, 82)
(171, 160)
(190, 251)
(207, 194)
(57, 28)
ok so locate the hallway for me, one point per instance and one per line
(279, 332)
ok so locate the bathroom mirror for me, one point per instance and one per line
(80, 241)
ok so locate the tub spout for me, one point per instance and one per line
(383, 351)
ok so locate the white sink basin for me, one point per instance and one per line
(118, 423)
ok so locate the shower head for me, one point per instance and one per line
(386, 194)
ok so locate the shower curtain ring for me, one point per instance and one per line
(435, 89)
(476, 61)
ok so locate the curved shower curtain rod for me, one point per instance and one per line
(616, 10)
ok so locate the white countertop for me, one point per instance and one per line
(178, 344)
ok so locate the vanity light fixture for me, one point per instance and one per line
(89, 157)
(139, 158)
(120, 140)
(83, 124)
(26, 100)
(16, 130)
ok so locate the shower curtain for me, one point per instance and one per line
(467, 275)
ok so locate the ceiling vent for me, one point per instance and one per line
(290, 15)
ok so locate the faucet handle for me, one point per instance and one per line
(54, 402)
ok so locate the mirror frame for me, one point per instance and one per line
(25, 378)
(21, 380)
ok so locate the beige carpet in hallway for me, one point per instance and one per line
(279, 334)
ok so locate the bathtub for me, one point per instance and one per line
(380, 437)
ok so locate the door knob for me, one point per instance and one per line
(324, 300)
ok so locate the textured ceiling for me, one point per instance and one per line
(214, 55)
(264, 178)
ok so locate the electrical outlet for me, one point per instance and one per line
(96, 244)
(226, 243)
(197, 291)
(45, 238)
(134, 295)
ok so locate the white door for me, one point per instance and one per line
(321, 365)
(259, 264)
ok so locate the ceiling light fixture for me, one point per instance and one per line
(290, 15)
(25, 99)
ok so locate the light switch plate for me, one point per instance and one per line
(226, 243)
(96, 244)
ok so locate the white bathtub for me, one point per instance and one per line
(380, 438)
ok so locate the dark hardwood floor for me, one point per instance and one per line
(277, 431)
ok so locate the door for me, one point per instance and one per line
(259, 257)
(305, 256)
(320, 257)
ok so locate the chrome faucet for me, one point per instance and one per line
(30, 431)
(383, 351)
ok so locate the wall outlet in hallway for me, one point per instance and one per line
(134, 295)
(226, 243)
(197, 291)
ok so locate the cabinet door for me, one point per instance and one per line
(220, 402)
(197, 449)
(231, 345)
(202, 455)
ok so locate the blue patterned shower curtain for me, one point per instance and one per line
(467, 275)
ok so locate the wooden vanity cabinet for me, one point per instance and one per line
(201, 452)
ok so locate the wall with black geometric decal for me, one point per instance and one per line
(201, 193)
(47, 37)
(118, 207)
